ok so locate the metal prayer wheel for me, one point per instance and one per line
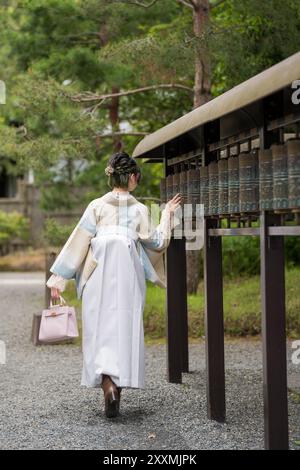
(183, 187)
(233, 185)
(176, 183)
(249, 190)
(223, 186)
(193, 189)
(265, 179)
(280, 177)
(169, 187)
(213, 182)
(163, 190)
(204, 190)
(189, 191)
(293, 158)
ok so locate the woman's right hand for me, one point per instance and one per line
(175, 202)
(55, 293)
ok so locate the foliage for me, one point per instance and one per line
(55, 233)
(292, 251)
(52, 50)
(13, 225)
(249, 36)
(241, 256)
(56, 49)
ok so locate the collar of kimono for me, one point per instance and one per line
(121, 194)
(112, 198)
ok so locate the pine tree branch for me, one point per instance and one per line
(78, 35)
(92, 109)
(73, 140)
(91, 97)
(216, 4)
(187, 3)
(138, 3)
(120, 133)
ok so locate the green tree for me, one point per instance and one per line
(85, 78)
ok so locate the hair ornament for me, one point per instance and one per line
(109, 170)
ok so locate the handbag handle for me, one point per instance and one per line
(62, 301)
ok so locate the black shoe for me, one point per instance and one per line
(111, 397)
(112, 404)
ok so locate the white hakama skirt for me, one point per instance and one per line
(113, 301)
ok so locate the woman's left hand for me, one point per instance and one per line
(55, 293)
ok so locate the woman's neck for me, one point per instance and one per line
(120, 190)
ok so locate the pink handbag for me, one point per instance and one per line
(58, 322)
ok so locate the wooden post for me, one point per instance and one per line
(49, 260)
(214, 327)
(182, 289)
(176, 307)
(35, 329)
(273, 336)
(36, 321)
(273, 304)
(174, 319)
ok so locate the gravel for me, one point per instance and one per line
(43, 406)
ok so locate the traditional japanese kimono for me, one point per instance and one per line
(111, 252)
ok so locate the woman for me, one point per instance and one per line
(111, 252)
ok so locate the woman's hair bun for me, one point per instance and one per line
(122, 163)
(119, 167)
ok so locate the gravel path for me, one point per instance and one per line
(43, 406)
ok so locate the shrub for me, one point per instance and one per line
(55, 233)
(241, 255)
(13, 225)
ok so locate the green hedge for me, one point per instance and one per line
(241, 255)
(242, 309)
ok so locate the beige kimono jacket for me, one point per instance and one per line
(76, 260)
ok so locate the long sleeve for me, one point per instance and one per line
(57, 281)
(76, 247)
(154, 241)
(158, 238)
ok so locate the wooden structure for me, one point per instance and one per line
(250, 118)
